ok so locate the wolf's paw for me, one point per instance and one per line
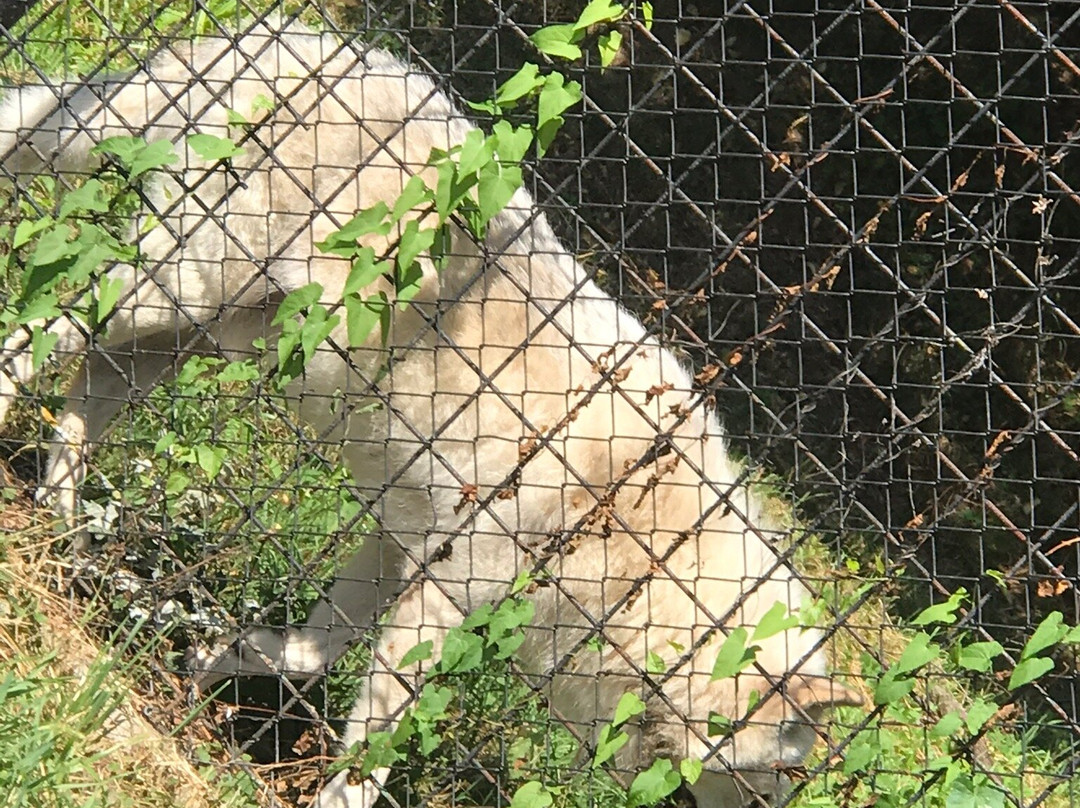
(339, 793)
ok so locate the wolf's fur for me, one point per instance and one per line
(490, 358)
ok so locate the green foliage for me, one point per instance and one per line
(653, 784)
(904, 754)
(476, 179)
(60, 696)
(944, 613)
(898, 680)
(211, 147)
(734, 655)
(1032, 664)
(531, 795)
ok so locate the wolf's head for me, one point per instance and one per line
(753, 765)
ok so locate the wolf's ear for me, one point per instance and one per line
(816, 694)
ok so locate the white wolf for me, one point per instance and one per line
(526, 416)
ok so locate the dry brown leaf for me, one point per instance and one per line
(1047, 588)
(708, 373)
(657, 390)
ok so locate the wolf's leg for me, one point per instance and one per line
(16, 356)
(423, 613)
(104, 383)
(145, 327)
(370, 580)
(103, 378)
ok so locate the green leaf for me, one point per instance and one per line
(531, 795)
(1028, 670)
(239, 371)
(630, 704)
(608, 45)
(949, 725)
(159, 154)
(608, 743)
(90, 198)
(434, 700)
(498, 184)
(733, 656)
(413, 242)
(512, 615)
(363, 314)
(476, 152)
(209, 459)
(556, 97)
(559, 41)
(452, 188)
(653, 784)
(690, 769)
(918, 653)
(408, 282)
(647, 14)
(462, 651)
(440, 247)
(480, 617)
(654, 663)
(1049, 632)
(511, 143)
(42, 343)
(315, 330)
(124, 148)
(978, 713)
(507, 646)
(599, 11)
(95, 246)
(523, 83)
(177, 483)
(413, 195)
(42, 306)
(365, 271)
(941, 612)
(892, 687)
(213, 148)
(718, 724)
(487, 107)
(27, 229)
(138, 155)
(380, 753)
(523, 581)
(296, 301)
(368, 221)
(54, 245)
(505, 626)
(967, 793)
(861, 754)
(108, 292)
(778, 619)
(262, 102)
(979, 656)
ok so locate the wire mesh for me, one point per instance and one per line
(856, 222)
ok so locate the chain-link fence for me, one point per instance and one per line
(390, 451)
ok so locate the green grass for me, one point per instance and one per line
(71, 731)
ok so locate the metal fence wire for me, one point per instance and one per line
(857, 224)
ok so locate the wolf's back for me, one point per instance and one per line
(191, 87)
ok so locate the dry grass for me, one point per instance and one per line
(85, 738)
